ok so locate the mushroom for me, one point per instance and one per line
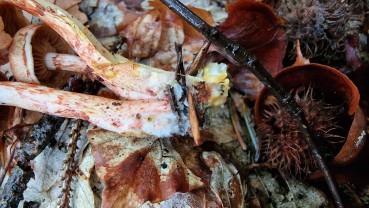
(115, 71)
(135, 117)
(34, 56)
(39, 64)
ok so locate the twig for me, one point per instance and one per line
(194, 121)
(8, 162)
(199, 58)
(236, 123)
(246, 114)
(244, 58)
(69, 165)
(177, 99)
(192, 113)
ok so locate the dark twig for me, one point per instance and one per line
(199, 58)
(244, 58)
(180, 72)
(69, 165)
(177, 99)
(236, 123)
(8, 162)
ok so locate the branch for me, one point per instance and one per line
(244, 58)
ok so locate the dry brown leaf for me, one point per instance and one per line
(5, 42)
(270, 191)
(5, 38)
(136, 170)
(217, 126)
(108, 18)
(198, 198)
(149, 171)
(12, 18)
(225, 181)
(66, 4)
(143, 35)
(72, 7)
(74, 10)
(170, 30)
(49, 170)
(254, 26)
(131, 4)
(193, 39)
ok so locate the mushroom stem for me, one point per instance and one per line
(135, 117)
(68, 62)
(113, 69)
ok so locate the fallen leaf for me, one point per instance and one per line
(198, 198)
(72, 7)
(136, 170)
(217, 126)
(222, 188)
(154, 34)
(108, 18)
(12, 18)
(225, 180)
(83, 195)
(143, 35)
(5, 42)
(74, 10)
(131, 4)
(5, 38)
(254, 26)
(65, 4)
(193, 39)
(270, 193)
(48, 167)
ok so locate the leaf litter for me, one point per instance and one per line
(113, 170)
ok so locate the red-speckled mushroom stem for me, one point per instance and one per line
(68, 62)
(129, 80)
(136, 117)
(115, 70)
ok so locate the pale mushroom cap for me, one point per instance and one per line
(28, 51)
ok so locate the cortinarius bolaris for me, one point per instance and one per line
(151, 113)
